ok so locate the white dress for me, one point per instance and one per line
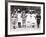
(33, 20)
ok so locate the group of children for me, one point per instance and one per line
(31, 18)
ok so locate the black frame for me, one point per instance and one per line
(6, 18)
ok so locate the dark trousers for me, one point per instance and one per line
(19, 24)
(38, 22)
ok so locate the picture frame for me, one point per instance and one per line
(11, 5)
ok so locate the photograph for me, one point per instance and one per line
(25, 18)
